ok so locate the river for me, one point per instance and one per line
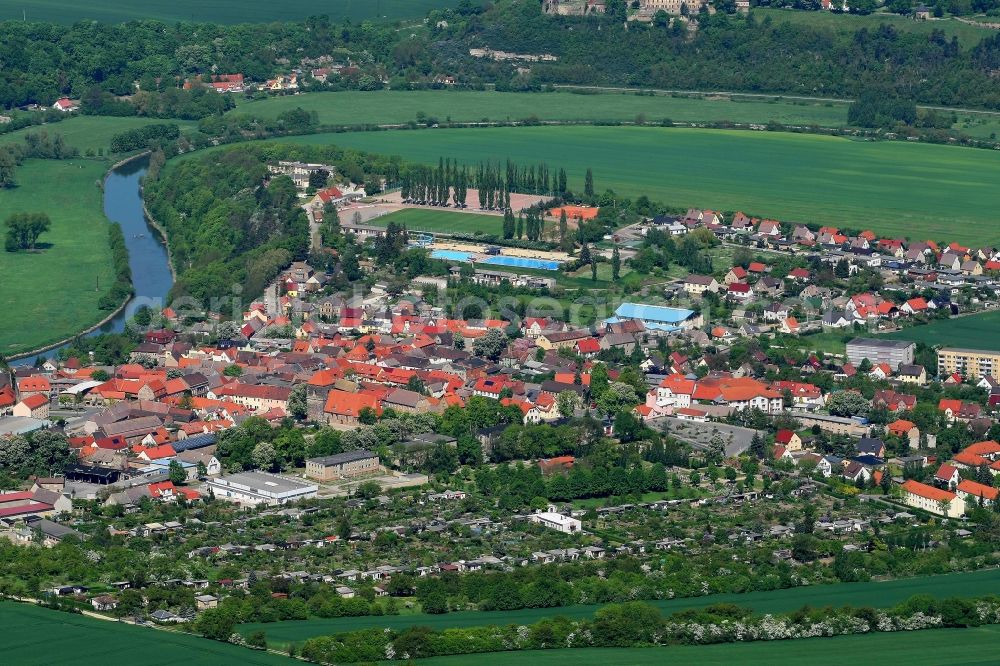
(147, 255)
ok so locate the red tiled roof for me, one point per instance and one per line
(342, 403)
(978, 489)
(983, 448)
(928, 492)
(35, 401)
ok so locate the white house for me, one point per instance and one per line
(557, 521)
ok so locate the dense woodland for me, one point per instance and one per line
(230, 224)
(95, 61)
(231, 231)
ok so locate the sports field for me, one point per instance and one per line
(38, 636)
(50, 295)
(896, 188)
(977, 331)
(883, 594)
(936, 647)
(393, 106)
(219, 11)
(442, 221)
(90, 132)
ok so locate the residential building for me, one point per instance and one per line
(35, 406)
(935, 500)
(912, 374)
(975, 493)
(699, 284)
(969, 363)
(878, 350)
(557, 521)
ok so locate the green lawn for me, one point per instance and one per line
(882, 594)
(443, 221)
(975, 331)
(936, 647)
(896, 188)
(389, 107)
(247, 11)
(91, 132)
(829, 342)
(50, 295)
(38, 636)
(968, 35)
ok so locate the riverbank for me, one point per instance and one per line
(151, 221)
(54, 293)
(151, 275)
(109, 318)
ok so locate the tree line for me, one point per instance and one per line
(640, 624)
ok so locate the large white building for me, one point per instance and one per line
(881, 350)
(557, 521)
(256, 488)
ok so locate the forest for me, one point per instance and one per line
(228, 224)
(96, 62)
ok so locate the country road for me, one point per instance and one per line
(736, 93)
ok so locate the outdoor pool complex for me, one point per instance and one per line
(495, 260)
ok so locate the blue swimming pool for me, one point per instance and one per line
(522, 262)
(496, 260)
(451, 255)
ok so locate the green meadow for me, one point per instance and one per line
(895, 188)
(36, 636)
(220, 11)
(968, 35)
(396, 107)
(52, 294)
(90, 132)
(876, 594)
(977, 331)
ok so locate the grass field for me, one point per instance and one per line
(220, 11)
(977, 331)
(50, 295)
(906, 189)
(442, 221)
(968, 35)
(389, 107)
(90, 132)
(38, 636)
(936, 647)
(882, 594)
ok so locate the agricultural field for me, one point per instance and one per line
(972, 647)
(57, 285)
(221, 11)
(968, 35)
(900, 189)
(977, 331)
(393, 107)
(91, 132)
(876, 594)
(442, 221)
(38, 636)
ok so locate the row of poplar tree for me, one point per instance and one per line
(449, 182)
